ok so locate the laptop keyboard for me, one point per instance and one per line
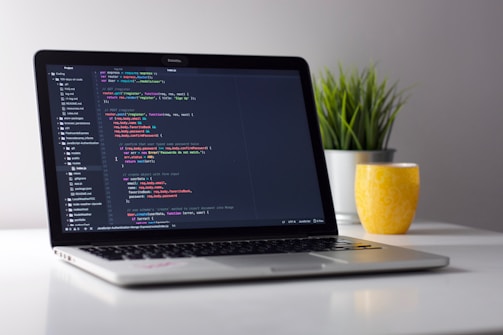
(206, 249)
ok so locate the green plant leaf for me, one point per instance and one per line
(356, 111)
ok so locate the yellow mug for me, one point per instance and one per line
(386, 196)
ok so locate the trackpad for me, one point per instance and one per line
(276, 262)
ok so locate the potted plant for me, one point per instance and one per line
(356, 113)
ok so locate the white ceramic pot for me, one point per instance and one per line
(341, 166)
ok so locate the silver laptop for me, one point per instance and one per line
(174, 168)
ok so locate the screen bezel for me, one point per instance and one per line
(47, 57)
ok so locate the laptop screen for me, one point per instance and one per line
(168, 147)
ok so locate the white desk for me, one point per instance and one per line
(41, 295)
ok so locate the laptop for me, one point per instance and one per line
(177, 168)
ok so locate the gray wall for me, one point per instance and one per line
(450, 49)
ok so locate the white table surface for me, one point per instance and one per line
(41, 295)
